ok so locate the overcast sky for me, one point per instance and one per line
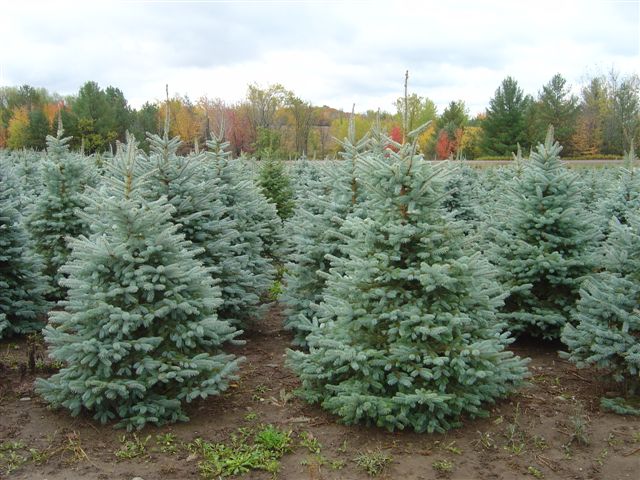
(328, 52)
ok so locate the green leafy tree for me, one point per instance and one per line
(542, 244)
(138, 335)
(504, 125)
(412, 340)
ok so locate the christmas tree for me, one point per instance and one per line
(606, 334)
(260, 240)
(276, 186)
(407, 335)
(315, 233)
(53, 219)
(22, 305)
(138, 334)
(542, 244)
(204, 220)
(624, 197)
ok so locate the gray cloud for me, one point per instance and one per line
(327, 52)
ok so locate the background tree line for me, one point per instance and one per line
(273, 121)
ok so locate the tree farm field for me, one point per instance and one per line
(550, 428)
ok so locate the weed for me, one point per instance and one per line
(540, 443)
(535, 472)
(578, 423)
(602, 456)
(636, 437)
(283, 398)
(485, 441)
(310, 442)
(443, 466)
(241, 455)
(451, 447)
(10, 458)
(132, 448)
(514, 435)
(251, 416)
(337, 464)
(342, 448)
(373, 462)
(167, 443)
(274, 440)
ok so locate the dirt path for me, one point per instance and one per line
(551, 429)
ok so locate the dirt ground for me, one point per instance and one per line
(552, 428)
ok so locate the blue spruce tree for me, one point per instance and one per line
(22, 288)
(542, 244)
(606, 334)
(53, 219)
(138, 334)
(407, 335)
(315, 233)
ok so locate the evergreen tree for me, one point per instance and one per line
(556, 106)
(138, 335)
(407, 334)
(463, 195)
(22, 305)
(606, 334)
(504, 125)
(314, 233)
(276, 186)
(54, 218)
(204, 220)
(624, 197)
(260, 239)
(542, 244)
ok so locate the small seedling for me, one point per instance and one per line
(251, 416)
(443, 466)
(167, 443)
(539, 442)
(310, 442)
(535, 472)
(451, 447)
(342, 448)
(602, 456)
(485, 441)
(133, 448)
(373, 462)
(579, 423)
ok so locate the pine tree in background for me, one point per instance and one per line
(260, 239)
(542, 245)
(624, 197)
(22, 305)
(314, 232)
(463, 195)
(138, 335)
(606, 334)
(54, 219)
(407, 334)
(276, 186)
(204, 220)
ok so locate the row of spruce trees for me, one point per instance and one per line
(405, 282)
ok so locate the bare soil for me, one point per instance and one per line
(552, 428)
